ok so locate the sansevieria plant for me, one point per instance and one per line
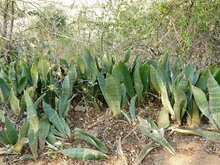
(209, 107)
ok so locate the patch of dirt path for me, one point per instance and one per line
(189, 151)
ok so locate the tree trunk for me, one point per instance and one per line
(12, 19)
(5, 19)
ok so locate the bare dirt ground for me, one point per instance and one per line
(116, 133)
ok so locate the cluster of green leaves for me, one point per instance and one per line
(43, 92)
(180, 86)
(29, 88)
(177, 85)
(119, 83)
(183, 90)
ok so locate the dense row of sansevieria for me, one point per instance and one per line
(42, 93)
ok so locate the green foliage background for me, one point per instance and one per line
(189, 29)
